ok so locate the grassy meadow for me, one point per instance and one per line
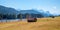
(41, 24)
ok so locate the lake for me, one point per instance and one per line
(11, 20)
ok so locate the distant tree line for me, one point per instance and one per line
(8, 16)
(19, 16)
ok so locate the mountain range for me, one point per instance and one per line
(7, 10)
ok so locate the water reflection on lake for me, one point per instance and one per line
(9, 20)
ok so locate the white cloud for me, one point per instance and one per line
(56, 12)
(54, 7)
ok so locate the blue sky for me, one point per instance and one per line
(52, 6)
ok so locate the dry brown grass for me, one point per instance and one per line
(41, 24)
